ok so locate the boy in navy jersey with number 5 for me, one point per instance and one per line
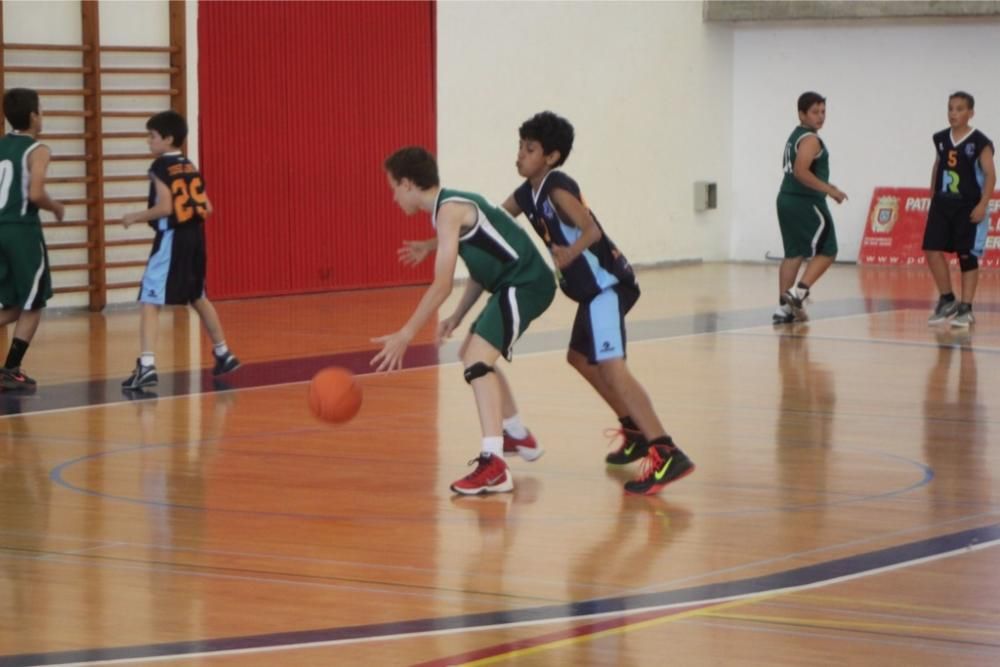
(175, 272)
(597, 276)
(962, 183)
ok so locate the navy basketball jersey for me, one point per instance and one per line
(182, 178)
(598, 267)
(959, 175)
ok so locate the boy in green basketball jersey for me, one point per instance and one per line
(25, 282)
(502, 260)
(805, 221)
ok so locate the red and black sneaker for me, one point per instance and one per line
(14, 379)
(632, 448)
(527, 447)
(663, 464)
(490, 476)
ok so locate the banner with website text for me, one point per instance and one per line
(894, 229)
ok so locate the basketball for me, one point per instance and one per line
(334, 395)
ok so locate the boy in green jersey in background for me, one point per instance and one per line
(805, 221)
(25, 281)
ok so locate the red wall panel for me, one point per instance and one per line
(300, 102)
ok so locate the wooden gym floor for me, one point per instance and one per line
(845, 508)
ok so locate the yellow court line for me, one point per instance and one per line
(896, 605)
(629, 627)
(853, 625)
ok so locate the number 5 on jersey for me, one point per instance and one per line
(189, 199)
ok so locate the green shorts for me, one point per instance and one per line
(510, 310)
(25, 281)
(806, 226)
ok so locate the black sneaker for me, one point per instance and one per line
(783, 315)
(963, 317)
(142, 376)
(227, 363)
(663, 465)
(796, 300)
(945, 309)
(139, 394)
(14, 379)
(633, 447)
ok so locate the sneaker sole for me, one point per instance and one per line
(483, 490)
(226, 371)
(529, 454)
(142, 385)
(14, 386)
(656, 488)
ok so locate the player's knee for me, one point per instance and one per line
(477, 370)
(968, 262)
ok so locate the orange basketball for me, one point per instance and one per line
(334, 395)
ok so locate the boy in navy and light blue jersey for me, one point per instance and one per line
(595, 274)
(175, 272)
(962, 183)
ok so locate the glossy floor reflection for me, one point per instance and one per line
(845, 503)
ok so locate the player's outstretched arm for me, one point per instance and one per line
(38, 166)
(163, 208)
(469, 297)
(510, 205)
(449, 224)
(414, 252)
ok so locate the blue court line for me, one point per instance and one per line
(56, 476)
(807, 576)
(300, 369)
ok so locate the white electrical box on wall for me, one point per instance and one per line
(704, 196)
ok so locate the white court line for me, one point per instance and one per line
(435, 633)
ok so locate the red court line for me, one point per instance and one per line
(578, 631)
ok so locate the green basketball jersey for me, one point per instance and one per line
(820, 166)
(496, 250)
(15, 207)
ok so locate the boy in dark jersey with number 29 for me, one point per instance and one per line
(175, 272)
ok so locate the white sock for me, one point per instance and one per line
(493, 446)
(220, 349)
(514, 426)
(147, 359)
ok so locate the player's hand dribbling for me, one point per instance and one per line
(390, 357)
(414, 252)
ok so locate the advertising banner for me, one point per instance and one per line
(894, 229)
